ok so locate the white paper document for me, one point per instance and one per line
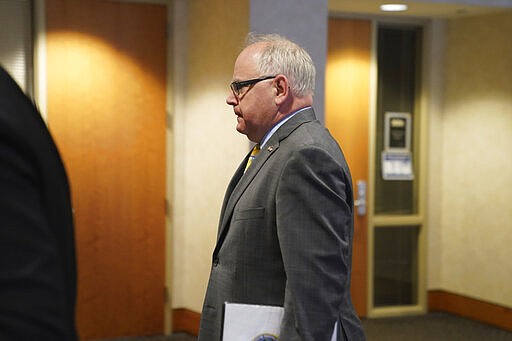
(252, 322)
(248, 322)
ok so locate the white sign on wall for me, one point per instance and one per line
(397, 156)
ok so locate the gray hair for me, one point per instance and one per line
(282, 56)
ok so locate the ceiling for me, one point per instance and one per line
(419, 8)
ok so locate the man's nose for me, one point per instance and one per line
(231, 99)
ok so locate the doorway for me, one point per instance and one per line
(347, 107)
(373, 80)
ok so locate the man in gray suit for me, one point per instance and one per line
(286, 226)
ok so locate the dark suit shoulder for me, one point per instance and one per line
(37, 261)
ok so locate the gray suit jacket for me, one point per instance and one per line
(285, 237)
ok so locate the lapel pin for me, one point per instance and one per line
(270, 148)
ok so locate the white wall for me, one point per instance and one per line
(475, 155)
(434, 68)
(207, 148)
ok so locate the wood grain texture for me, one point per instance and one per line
(347, 110)
(106, 108)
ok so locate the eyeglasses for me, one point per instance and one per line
(236, 87)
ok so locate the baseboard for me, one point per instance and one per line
(185, 321)
(499, 316)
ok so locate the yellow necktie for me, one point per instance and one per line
(254, 152)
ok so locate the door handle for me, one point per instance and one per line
(360, 202)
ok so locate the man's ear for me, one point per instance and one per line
(282, 89)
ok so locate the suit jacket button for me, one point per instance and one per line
(216, 262)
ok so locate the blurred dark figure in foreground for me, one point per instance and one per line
(37, 248)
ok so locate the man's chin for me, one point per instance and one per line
(243, 132)
(240, 129)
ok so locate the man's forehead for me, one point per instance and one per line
(246, 63)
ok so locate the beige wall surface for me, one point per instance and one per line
(207, 148)
(433, 68)
(476, 160)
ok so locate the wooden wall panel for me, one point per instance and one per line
(347, 111)
(106, 69)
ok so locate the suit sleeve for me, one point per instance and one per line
(314, 218)
(31, 273)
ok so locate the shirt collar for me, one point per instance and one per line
(271, 132)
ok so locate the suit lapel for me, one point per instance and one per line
(232, 184)
(240, 181)
(238, 188)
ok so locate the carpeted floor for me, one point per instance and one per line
(430, 327)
